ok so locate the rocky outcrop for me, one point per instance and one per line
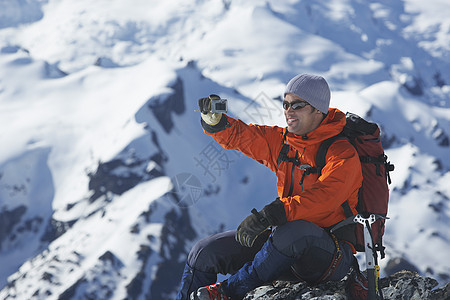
(401, 285)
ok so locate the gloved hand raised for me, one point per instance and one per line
(272, 214)
(209, 117)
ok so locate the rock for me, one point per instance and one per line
(409, 285)
(401, 285)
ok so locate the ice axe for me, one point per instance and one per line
(373, 270)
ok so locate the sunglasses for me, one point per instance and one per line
(295, 105)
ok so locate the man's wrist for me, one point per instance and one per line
(275, 212)
(215, 128)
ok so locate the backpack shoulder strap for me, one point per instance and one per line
(323, 149)
(320, 163)
(282, 156)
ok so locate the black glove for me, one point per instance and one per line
(272, 214)
(204, 104)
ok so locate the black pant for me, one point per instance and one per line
(309, 247)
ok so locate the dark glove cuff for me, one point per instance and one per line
(215, 128)
(275, 213)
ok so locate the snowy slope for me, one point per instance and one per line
(106, 179)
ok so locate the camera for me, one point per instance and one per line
(219, 106)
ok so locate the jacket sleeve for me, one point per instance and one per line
(340, 180)
(257, 142)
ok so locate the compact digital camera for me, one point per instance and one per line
(219, 106)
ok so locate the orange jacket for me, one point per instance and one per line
(318, 199)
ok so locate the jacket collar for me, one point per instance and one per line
(333, 124)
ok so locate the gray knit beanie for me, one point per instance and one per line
(311, 88)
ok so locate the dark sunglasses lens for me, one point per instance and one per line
(294, 105)
(298, 105)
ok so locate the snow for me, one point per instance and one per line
(430, 28)
(78, 80)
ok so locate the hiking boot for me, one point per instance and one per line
(357, 286)
(210, 292)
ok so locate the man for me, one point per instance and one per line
(298, 245)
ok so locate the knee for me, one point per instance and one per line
(296, 237)
(211, 253)
(201, 253)
(298, 229)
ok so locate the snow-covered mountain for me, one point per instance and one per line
(106, 178)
